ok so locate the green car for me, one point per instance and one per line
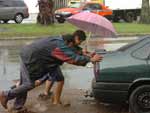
(124, 76)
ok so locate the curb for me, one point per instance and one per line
(38, 37)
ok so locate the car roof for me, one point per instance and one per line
(12, 0)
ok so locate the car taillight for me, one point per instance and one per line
(96, 69)
(27, 10)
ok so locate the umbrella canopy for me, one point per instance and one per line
(93, 23)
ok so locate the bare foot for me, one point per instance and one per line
(3, 100)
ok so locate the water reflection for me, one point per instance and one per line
(75, 77)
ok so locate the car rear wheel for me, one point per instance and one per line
(139, 101)
(18, 18)
(60, 20)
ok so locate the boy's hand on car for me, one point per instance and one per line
(96, 58)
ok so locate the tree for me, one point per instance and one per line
(45, 15)
(145, 12)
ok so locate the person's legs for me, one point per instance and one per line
(57, 93)
(59, 86)
(17, 92)
(48, 86)
(3, 99)
(41, 80)
(21, 98)
(20, 101)
(49, 83)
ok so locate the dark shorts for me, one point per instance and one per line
(53, 75)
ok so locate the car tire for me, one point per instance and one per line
(139, 100)
(61, 20)
(18, 18)
(5, 21)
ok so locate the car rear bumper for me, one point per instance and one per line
(26, 15)
(110, 92)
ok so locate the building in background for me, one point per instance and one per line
(33, 7)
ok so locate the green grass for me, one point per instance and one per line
(35, 30)
(132, 28)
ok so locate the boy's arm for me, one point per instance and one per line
(64, 53)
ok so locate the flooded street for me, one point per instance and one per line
(9, 69)
(77, 79)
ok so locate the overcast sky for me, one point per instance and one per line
(32, 5)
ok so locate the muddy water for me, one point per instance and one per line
(75, 77)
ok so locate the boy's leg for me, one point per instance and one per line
(25, 86)
(59, 86)
(48, 86)
(41, 80)
(24, 80)
(58, 91)
(20, 101)
(49, 83)
(3, 99)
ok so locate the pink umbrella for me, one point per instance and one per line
(93, 23)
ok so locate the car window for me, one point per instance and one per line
(4, 4)
(96, 7)
(1, 3)
(75, 5)
(92, 7)
(142, 52)
(18, 3)
(134, 43)
(10, 3)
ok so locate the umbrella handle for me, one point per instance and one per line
(87, 40)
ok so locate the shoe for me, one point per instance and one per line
(3, 100)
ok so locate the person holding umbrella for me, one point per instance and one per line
(42, 57)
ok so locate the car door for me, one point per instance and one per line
(142, 53)
(7, 9)
(1, 9)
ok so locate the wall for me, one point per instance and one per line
(33, 7)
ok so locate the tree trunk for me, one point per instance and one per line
(45, 15)
(145, 12)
